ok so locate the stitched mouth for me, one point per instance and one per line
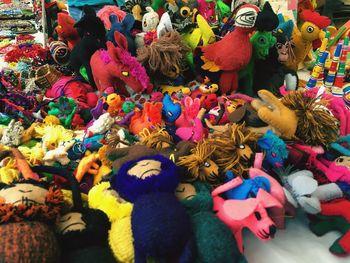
(26, 201)
(64, 229)
(150, 170)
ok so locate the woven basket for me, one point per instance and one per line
(46, 76)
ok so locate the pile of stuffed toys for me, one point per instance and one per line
(157, 131)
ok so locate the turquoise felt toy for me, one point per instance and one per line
(339, 147)
(64, 109)
(214, 240)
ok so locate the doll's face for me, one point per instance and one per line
(70, 222)
(185, 191)
(145, 168)
(282, 50)
(27, 194)
(245, 152)
(207, 89)
(343, 160)
(173, 73)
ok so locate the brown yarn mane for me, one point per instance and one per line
(155, 139)
(227, 154)
(54, 202)
(315, 125)
(164, 53)
(203, 151)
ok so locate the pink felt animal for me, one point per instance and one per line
(72, 87)
(192, 128)
(115, 67)
(207, 10)
(190, 111)
(250, 213)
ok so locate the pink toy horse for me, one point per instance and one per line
(207, 10)
(250, 213)
(115, 67)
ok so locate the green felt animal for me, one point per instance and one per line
(262, 42)
(214, 240)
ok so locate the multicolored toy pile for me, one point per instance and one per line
(156, 132)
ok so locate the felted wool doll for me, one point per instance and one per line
(183, 18)
(82, 232)
(201, 164)
(214, 240)
(160, 225)
(28, 210)
(107, 11)
(66, 30)
(262, 42)
(234, 149)
(124, 27)
(172, 51)
(115, 67)
(334, 216)
(137, 8)
(92, 33)
(310, 30)
(229, 61)
(150, 22)
(150, 116)
(120, 238)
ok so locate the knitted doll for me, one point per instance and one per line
(160, 224)
(214, 240)
(335, 216)
(82, 232)
(27, 210)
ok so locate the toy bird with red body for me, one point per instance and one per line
(234, 51)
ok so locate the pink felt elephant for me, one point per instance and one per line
(250, 213)
(115, 67)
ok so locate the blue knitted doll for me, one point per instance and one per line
(160, 225)
(214, 240)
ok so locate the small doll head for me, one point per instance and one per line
(149, 174)
(150, 20)
(157, 139)
(30, 200)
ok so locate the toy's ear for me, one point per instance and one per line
(264, 143)
(88, 10)
(164, 25)
(240, 209)
(120, 40)
(128, 22)
(113, 19)
(207, 33)
(267, 200)
(112, 51)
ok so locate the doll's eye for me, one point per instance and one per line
(207, 164)
(185, 11)
(257, 215)
(125, 73)
(173, 69)
(279, 45)
(241, 146)
(310, 29)
(273, 154)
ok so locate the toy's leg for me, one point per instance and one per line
(139, 257)
(90, 75)
(239, 240)
(228, 82)
(187, 255)
(337, 247)
(344, 242)
(322, 227)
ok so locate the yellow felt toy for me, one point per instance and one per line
(33, 155)
(202, 35)
(102, 197)
(8, 171)
(53, 135)
(310, 30)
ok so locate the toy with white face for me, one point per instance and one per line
(150, 20)
(23, 193)
(145, 168)
(70, 222)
